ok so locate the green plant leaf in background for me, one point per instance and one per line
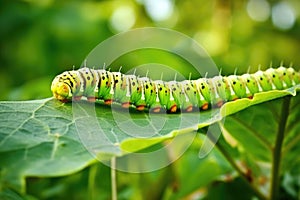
(266, 137)
(40, 138)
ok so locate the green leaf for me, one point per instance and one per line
(268, 138)
(204, 171)
(48, 138)
(38, 138)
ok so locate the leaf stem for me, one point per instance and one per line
(238, 169)
(113, 178)
(275, 176)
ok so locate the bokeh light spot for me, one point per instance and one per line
(123, 18)
(258, 10)
(159, 10)
(283, 16)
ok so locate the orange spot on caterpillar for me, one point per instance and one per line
(205, 106)
(250, 97)
(91, 99)
(125, 105)
(173, 108)
(189, 109)
(220, 103)
(140, 107)
(77, 98)
(156, 110)
(64, 100)
(108, 102)
(65, 88)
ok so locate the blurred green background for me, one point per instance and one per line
(41, 38)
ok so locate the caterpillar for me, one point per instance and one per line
(172, 96)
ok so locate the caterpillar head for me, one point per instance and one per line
(62, 86)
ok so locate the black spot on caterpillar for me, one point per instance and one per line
(172, 96)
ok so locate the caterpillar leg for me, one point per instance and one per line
(220, 103)
(108, 101)
(64, 100)
(156, 110)
(205, 106)
(77, 98)
(91, 99)
(140, 107)
(173, 109)
(125, 105)
(189, 108)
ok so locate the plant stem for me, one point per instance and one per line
(113, 178)
(91, 181)
(275, 176)
(241, 173)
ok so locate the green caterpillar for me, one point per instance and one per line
(172, 96)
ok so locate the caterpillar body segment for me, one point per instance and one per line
(188, 95)
(251, 84)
